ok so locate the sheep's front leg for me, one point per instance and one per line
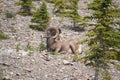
(58, 49)
(63, 52)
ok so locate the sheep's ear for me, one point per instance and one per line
(59, 30)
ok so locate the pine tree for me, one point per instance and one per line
(72, 12)
(68, 8)
(26, 6)
(104, 38)
(51, 1)
(41, 17)
(59, 7)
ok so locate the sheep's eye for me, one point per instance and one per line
(48, 32)
(53, 33)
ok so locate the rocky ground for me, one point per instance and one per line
(18, 62)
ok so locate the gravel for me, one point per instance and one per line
(17, 63)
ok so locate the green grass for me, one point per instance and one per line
(30, 49)
(117, 65)
(25, 13)
(9, 14)
(3, 78)
(17, 47)
(106, 75)
(42, 46)
(3, 36)
(37, 27)
(54, 53)
(76, 57)
(0, 11)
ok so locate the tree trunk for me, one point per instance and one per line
(96, 70)
(96, 75)
(74, 24)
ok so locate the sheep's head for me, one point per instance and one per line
(52, 32)
(51, 35)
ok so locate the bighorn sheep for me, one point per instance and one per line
(50, 32)
(55, 44)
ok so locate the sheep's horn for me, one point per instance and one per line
(53, 29)
(57, 33)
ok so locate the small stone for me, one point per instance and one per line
(17, 74)
(46, 57)
(23, 53)
(65, 62)
(27, 69)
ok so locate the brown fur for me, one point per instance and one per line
(55, 44)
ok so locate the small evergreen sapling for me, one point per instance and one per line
(26, 6)
(41, 18)
(68, 8)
